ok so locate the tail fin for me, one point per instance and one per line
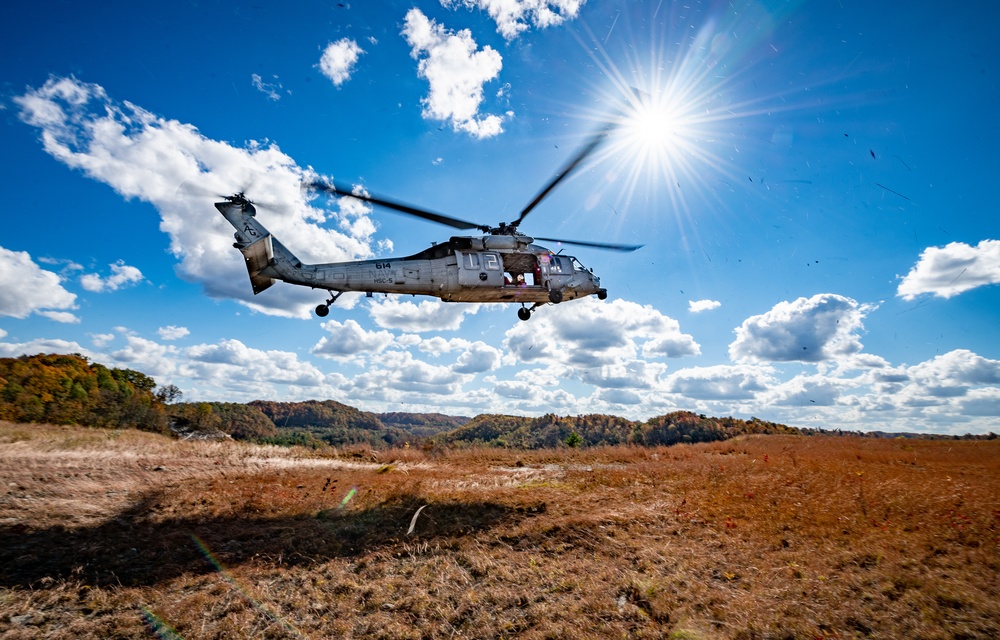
(253, 241)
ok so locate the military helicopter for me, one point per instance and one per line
(502, 265)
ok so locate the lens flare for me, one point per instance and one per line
(210, 557)
(683, 101)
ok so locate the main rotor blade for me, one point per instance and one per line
(397, 206)
(596, 245)
(565, 171)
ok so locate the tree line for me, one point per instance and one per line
(69, 389)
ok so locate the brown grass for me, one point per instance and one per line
(124, 534)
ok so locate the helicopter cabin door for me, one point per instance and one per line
(480, 269)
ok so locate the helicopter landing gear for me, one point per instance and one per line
(555, 296)
(324, 309)
(602, 294)
(524, 313)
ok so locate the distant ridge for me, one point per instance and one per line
(68, 389)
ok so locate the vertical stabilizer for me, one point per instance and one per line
(254, 242)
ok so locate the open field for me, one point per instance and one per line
(126, 534)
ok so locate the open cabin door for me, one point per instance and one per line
(522, 269)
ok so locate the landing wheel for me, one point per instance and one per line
(555, 296)
(602, 294)
(322, 310)
(523, 313)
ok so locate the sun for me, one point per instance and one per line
(677, 115)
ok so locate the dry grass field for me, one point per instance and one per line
(125, 534)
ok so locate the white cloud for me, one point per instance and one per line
(3, 334)
(477, 358)
(807, 390)
(170, 332)
(122, 275)
(270, 89)
(697, 306)
(635, 374)
(338, 60)
(231, 360)
(428, 315)
(348, 340)
(456, 72)
(42, 345)
(588, 333)
(620, 397)
(930, 395)
(981, 402)
(823, 327)
(955, 370)
(952, 269)
(438, 345)
(26, 288)
(171, 165)
(512, 16)
(65, 317)
(721, 382)
(398, 374)
(102, 340)
(146, 356)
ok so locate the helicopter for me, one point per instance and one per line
(501, 265)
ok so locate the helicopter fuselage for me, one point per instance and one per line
(490, 268)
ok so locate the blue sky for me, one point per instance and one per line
(813, 183)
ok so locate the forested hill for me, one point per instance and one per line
(65, 389)
(68, 389)
(593, 430)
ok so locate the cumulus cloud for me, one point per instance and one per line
(815, 390)
(635, 374)
(589, 334)
(456, 72)
(952, 269)
(945, 388)
(478, 357)
(428, 315)
(122, 275)
(823, 327)
(620, 397)
(174, 167)
(42, 345)
(697, 306)
(953, 373)
(398, 373)
(233, 360)
(170, 332)
(721, 382)
(101, 340)
(981, 402)
(512, 16)
(348, 340)
(26, 288)
(338, 60)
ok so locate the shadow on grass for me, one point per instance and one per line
(132, 550)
